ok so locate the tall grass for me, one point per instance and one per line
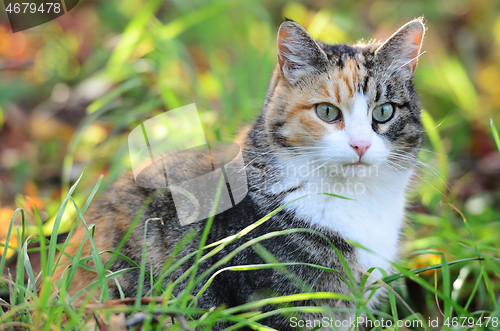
(40, 303)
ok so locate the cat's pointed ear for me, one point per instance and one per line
(402, 49)
(298, 52)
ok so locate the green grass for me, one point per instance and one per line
(40, 303)
(42, 307)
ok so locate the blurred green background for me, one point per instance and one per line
(72, 89)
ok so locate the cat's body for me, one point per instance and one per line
(295, 148)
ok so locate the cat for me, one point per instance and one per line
(336, 119)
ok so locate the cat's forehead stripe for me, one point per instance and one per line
(349, 75)
(344, 82)
(324, 89)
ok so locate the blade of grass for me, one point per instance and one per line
(436, 141)
(291, 298)
(9, 233)
(109, 276)
(259, 267)
(53, 238)
(203, 240)
(29, 270)
(487, 282)
(230, 255)
(223, 243)
(73, 144)
(432, 290)
(417, 271)
(130, 37)
(173, 254)
(445, 271)
(133, 224)
(495, 134)
(175, 27)
(142, 267)
(43, 246)
(74, 264)
(84, 209)
(95, 257)
(474, 289)
(19, 289)
(287, 310)
(269, 258)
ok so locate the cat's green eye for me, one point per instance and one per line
(383, 113)
(327, 112)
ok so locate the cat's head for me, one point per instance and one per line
(353, 105)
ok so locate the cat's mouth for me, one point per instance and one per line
(356, 169)
(354, 164)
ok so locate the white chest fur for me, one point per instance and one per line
(372, 219)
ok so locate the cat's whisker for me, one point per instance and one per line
(416, 162)
(402, 150)
(412, 60)
(246, 165)
(439, 124)
(419, 192)
(312, 171)
(421, 178)
(432, 152)
(427, 167)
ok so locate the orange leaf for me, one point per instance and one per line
(5, 219)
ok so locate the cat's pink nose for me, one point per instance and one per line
(360, 146)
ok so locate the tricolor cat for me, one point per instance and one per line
(336, 119)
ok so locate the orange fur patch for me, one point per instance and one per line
(323, 89)
(348, 85)
(416, 41)
(316, 129)
(301, 125)
(336, 88)
(242, 137)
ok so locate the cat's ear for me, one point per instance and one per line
(402, 49)
(298, 52)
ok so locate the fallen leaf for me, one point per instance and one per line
(5, 219)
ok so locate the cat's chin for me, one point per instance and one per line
(357, 169)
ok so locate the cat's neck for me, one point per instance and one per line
(372, 219)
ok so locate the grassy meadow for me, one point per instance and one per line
(72, 90)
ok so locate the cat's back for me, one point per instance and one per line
(128, 215)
